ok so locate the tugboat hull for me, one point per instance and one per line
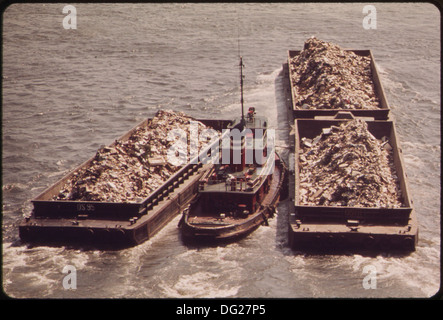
(216, 229)
(227, 232)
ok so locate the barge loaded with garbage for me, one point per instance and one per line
(124, 194)
(348, 179)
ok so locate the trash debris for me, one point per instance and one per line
(327, 77)
(129, 170)
(348, 166)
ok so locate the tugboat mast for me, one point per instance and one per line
(241, 92)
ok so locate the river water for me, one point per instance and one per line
(66, 92)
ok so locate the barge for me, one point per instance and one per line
(327, 225)
(113, 224)
(379, 113)
(332, 227)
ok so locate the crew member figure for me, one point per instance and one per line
(251, 113)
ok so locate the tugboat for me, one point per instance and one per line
(241, 191)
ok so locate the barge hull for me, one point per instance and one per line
(343, 238)
(112, 233)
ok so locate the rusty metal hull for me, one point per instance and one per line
(109, 224)
(226, 233)
(344, 237)
(112, 233)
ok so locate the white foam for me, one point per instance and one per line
(201, 284)
(202, 273)
(404, 269)
(39, 267)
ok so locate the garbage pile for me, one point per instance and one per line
(130, 170)
(347, 166)
(327, 77)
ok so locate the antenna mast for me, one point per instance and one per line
(241, 91)
(241, 73)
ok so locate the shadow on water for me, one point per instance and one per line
(312, 252)
(284, 117)
(84, 246)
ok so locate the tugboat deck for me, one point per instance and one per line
(212, 218)
(241, 186)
